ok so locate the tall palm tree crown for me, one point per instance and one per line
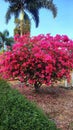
(31, 6)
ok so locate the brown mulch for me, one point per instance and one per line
(57, 103)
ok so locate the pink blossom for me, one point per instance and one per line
(42, 58)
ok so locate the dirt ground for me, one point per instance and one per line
(57, 103)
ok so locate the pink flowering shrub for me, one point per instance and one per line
(40, 59)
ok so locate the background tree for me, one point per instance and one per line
(5, 40)
(21, 26)
(17, 7)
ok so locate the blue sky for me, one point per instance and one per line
(62, 24)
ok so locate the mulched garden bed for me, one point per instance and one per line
(57, 103)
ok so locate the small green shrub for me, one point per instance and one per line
(17, 113)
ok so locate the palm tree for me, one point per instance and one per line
(32, 6)
(5, 40)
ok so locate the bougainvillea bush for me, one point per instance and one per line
(39, 59)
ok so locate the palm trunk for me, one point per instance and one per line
(4, 46)
(22, 22)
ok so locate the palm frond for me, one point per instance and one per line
(6, 33)
(12, 10)
(35, 16)
(8, 15)
(2, 37)
(26, 17)
(9, 41)
(48, 4)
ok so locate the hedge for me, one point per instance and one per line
(17, 113)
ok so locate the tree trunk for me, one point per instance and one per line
(4, 46)
(22, 22)
(37, 86)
